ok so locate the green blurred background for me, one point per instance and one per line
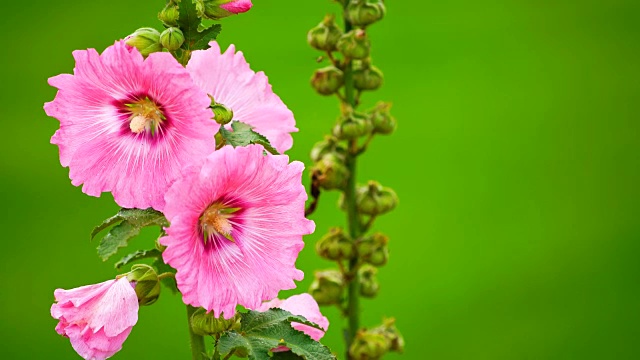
(516, 161)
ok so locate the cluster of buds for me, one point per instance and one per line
(149, 40)
(374, 343)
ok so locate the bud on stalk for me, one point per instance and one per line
(218, 9)
(370, 78)
(368, 346)
(365, 12)
(355, 44)
(336, 245)
(373, 249)
(146, 40)
(327, 287)
(172, 38)
(327, 80)
(146, 283)
(329, 145)
(325, 36)
(352, 126)
(373, 199)
(169, 15)
(205, 324)
(331, 173)
(369, 286)
(382, 120)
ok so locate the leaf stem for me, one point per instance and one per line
(198, 349)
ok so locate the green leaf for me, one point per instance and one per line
(286, 355)
(243, 135)
(263, 331)
(196, 35)
(207, 34)
(169, 282)
(129, 223)
(138, 255)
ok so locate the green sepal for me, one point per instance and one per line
(196, 35)
(244, 135)
(263, 331)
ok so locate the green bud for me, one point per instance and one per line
(327, 80)
(352, 126)
(390, 332)
(146, 40)
(373, 199)
(368, 78)
(205, 324)
(383, 122)
(329, 145)
(146, 282)
(331, 172)
(365, 12)
(327, 287)
(355, 44)
(368, 346)
(169, 15)
(325, 36)
(336, 245)
(373, 249)
(210, 9)
(369, 285)
(172, 38)
(222, 114)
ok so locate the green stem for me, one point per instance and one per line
(198, 349)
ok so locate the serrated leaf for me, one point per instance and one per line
(263, 331)
(138, 255)
(243, 135)
(207, 35)
(169, 282)
(131, 221)
(196, 36)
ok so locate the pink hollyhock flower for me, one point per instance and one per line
(301, 305)
(96, 318)
(237, 6)
(237, 221)
(230, 81)
(128, 125)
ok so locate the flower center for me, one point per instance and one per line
(215, 220)
(146, 116)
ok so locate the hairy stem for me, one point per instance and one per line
(198, 349)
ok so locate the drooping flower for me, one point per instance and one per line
(97, 318)
(237, 221)
(301, 305)
(228, 78)
(128, 125)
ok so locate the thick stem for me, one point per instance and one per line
(198, 349)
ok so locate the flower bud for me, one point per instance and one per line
(146, 283)
(352, 126)
(146, 40)
(222, 114)
(383, 122)
(218, 9)
(327, 80)
(365, 12)
(369, 285)
(336, 245)
(373, 249)
(370, 78)
(355, 44)
(329, 145)
(325, 36)
(330, 171)
(368, 346)
(390, 332)
(205, 324)
(373, 199)
(327, 287)
(172, 38)
(169, 15)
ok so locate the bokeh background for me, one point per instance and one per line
(517, 161)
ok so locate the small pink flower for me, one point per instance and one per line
(237, 6)
(229, 79)
(237, 221)
(96, 318)
(301, 305)
(128, 125)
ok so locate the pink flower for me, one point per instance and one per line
(96, 318)
(237, 6)
(301, 305)
(237, 221)
(128, 125)
(229, 79)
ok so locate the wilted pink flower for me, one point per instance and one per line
(128, 125)
(237, 221)
(96, 318)
(301, 305)
(229, 79)
(237, 6)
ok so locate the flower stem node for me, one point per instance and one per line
(365, 12)
(336, 245)
(394, 337)
(327, 287)
(373, 199)
(355, 44)
(370, 78)
(169, 15)
(369, 286)
(145, 281)
(352, 126)
(383, 122)
(368, 346)
(146, 40)
(330, 145)
(325, 36)
(218, 9)
(205, 324)
(373, 249)
(331, 172)
(222, 114)
(172, 38)
(327, 80)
